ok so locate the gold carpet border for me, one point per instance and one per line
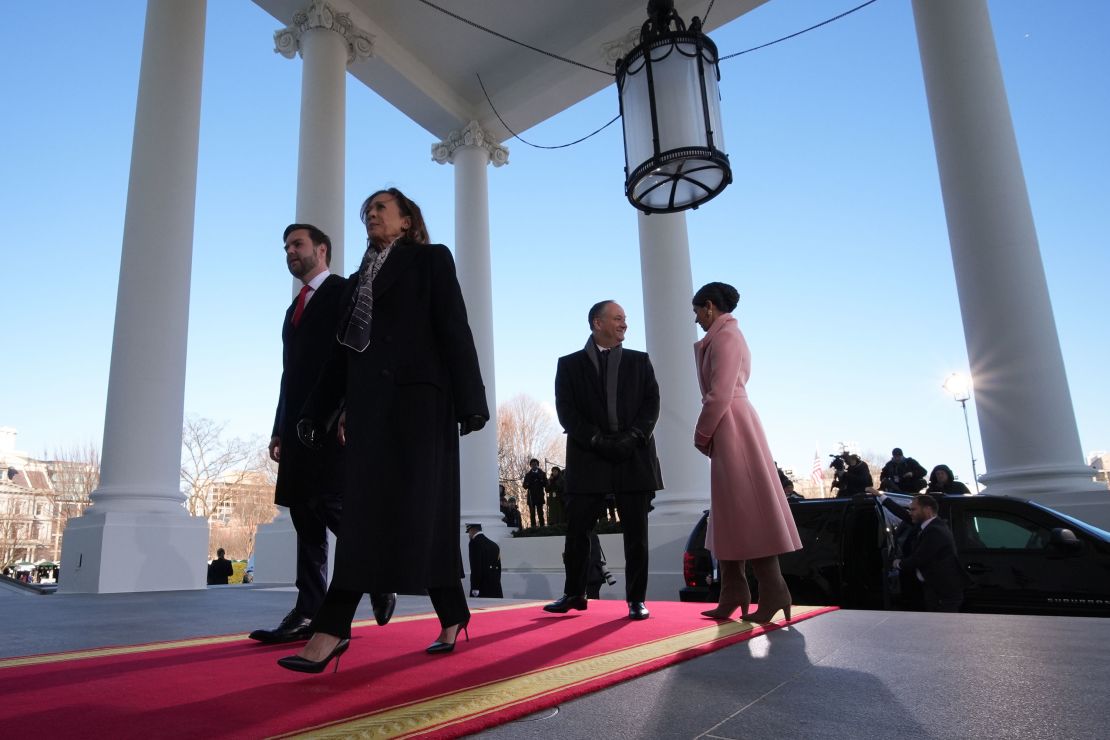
(448, 709)
(109, 652)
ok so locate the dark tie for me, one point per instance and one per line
(302, 298)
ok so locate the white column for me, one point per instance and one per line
(137, 536)
(327, 41)
(1026, 420)
(671, 333)
(471, 150)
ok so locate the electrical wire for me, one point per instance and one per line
(539, 146)
(586, 66)
(799, 33)
(502, 36)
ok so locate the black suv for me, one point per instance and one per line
(1022, 558)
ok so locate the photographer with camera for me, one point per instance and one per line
(902, 474)
(852, 476)
(598, 574)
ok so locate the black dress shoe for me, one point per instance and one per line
(304, 665)
(638, 610)
(293, 628)
(565, 603)
(383, 604)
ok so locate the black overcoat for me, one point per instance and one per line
(405, 395)
(581, 408)
(305, 349)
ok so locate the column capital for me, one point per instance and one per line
(471, 135)
(319, 14)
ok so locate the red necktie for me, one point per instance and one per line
(299, 310)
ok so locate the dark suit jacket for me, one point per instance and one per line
(934, 554)
(485, 567)
(303, 472)
(581, 408)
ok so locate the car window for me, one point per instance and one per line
(995, 530)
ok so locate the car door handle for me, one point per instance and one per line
(977, 569)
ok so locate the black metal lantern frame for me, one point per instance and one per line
(670, 106)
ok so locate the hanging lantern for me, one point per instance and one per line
(674, 150)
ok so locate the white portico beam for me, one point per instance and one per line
(137, 536)
(471, 150)
(1026, 419)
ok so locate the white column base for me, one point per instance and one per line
(275, 551)
(124, 552)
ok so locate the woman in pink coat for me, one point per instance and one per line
(749, 517)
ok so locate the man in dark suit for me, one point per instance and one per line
(309, 481)
(932, 558)
(219, 570)
(607, 400)
(485, 564)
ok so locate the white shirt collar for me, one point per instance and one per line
(927, 522)
(317, 281)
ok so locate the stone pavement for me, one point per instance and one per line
(848, 674)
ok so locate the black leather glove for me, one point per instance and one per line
(310, 434)
(472, 423)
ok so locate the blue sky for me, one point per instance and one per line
(833, 230)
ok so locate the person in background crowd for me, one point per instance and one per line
(219, 570)
(901, 474)
(941, 480)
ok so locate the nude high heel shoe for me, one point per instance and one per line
(734, 591)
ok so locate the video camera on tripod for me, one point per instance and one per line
(839, 462)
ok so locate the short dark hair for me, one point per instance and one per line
(533, 461)
(417, 230)
(724, 296)
(318, 237)
(220, 552)
(595, 311)
(924, 499)
(896, 451)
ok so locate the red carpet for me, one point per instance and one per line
(519, 660)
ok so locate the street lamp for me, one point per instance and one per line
(674, 149)
(959, 385)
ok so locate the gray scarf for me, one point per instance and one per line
(356, 334)
(610, 384)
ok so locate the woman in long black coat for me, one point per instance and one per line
(406, 365)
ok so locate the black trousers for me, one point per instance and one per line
(338, 610)
(536, 510)
(582, 513)
(312, 518)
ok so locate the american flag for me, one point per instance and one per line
(818, 473)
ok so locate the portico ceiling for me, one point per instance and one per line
(425, 63)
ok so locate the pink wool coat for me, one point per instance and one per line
(749, 516)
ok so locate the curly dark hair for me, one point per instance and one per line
(417, 231)
(722, 295)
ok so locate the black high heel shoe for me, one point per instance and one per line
(438, 647)
(304, 665)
